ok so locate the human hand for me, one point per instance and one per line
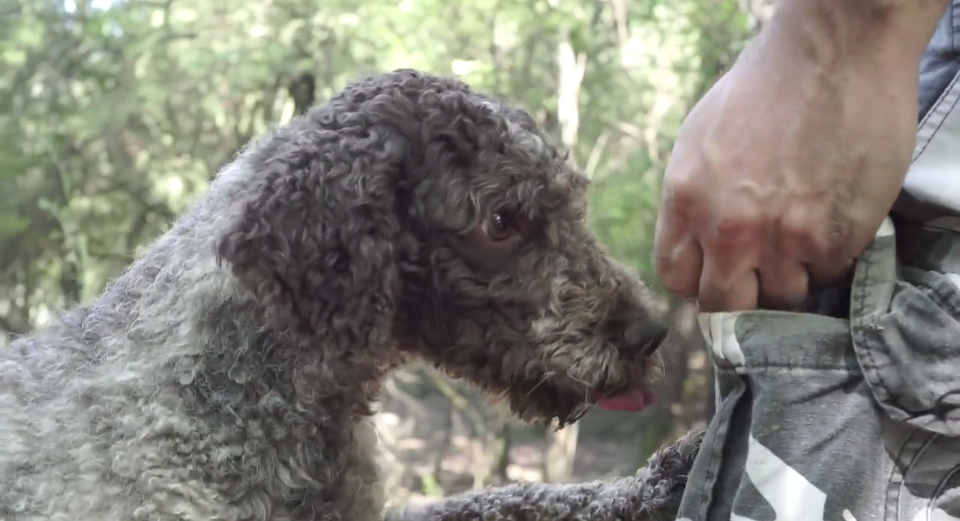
(781, 176)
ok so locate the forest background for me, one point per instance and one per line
(115, 114)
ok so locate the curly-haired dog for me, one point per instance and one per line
(653, 494)
(229, 374)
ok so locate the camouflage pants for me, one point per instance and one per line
(854, 418)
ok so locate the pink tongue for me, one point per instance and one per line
(630, 401)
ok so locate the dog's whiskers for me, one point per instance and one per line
(543, 380)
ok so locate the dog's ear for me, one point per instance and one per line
(315, 238)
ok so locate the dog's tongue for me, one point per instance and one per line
(630, 401)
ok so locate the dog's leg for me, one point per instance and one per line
(653, 494)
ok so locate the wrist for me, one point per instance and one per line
(884, 38)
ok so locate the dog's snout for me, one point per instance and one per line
(644, 336)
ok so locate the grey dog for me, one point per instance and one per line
(230, 373)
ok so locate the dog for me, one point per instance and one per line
(231, 371)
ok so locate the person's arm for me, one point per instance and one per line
(783, 171)
(889, 36)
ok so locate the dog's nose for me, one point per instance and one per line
(645, 335)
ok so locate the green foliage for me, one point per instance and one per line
(11, 225)
(431, 487)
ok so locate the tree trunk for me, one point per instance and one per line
(562, 444)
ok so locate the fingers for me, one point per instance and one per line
(837, 255)
(823, 275)
(776, 270)
(680, 268)
(723, 290)
(721, 277)
(678, 259)
(819, 251)
(729, 281)
(783, 286)
(740, 264)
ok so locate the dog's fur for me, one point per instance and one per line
(653, 494)
(229, 374)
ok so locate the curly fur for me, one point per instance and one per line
(653, 494)
(229, 374)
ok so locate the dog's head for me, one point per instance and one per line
(509, 288)
(412, 213)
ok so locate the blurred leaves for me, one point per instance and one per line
(117, 113)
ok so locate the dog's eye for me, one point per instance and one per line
(501, 226)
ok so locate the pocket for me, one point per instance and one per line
(905, 306)
(907, 339)
(905, 331)
(841, 419)
(796, 428)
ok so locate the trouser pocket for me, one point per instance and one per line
(832, 419)
(794, 417)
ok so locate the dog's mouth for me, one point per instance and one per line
(638, 396)
(623, 387)
(635, 399)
